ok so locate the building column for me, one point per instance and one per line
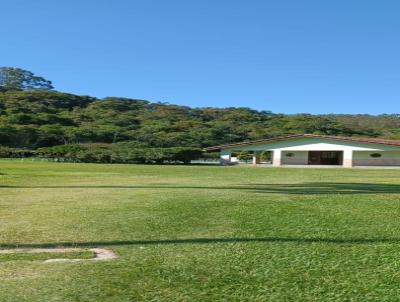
(256, 157)
(225, 158)
(348, 158)
(276, 158)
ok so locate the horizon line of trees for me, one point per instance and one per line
(33, 115)
(124, 152)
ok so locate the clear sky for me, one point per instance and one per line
(287, 56)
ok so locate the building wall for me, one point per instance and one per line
(388, 158)
(313, 144)
(300, 147)
(297, 158)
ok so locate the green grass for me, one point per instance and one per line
(193, 233)
(23, 256)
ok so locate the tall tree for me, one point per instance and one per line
(19, 79)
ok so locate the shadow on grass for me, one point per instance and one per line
(338, 241)
(315, 188)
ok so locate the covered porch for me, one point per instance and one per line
(279, 158)
(313, 150)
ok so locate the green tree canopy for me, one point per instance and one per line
(19, 79)
(35, 119)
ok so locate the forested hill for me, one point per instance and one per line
(33, 119)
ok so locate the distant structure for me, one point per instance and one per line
(314, 150)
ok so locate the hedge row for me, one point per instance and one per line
(6, 152)
(108, 153)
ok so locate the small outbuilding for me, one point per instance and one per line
(309, 149)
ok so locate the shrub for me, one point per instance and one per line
(245, 156)
(6, 152)
(121, 153)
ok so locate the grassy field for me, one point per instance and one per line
(193, 233)
(45, 256)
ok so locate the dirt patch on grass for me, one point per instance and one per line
(99, 254)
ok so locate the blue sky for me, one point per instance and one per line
(286, 56)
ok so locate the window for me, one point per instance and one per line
(290, 154)
(375, 155)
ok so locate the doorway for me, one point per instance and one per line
(325, 158)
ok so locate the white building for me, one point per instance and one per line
(308, 149)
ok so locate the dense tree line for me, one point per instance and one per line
(35, 119)
(124, 152)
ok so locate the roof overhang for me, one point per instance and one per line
(297, 136)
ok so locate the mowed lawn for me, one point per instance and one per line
(201, 233)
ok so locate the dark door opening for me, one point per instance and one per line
(325, 157)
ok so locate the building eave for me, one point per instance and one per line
(297, 136)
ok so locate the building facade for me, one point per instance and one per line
(311, 150)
